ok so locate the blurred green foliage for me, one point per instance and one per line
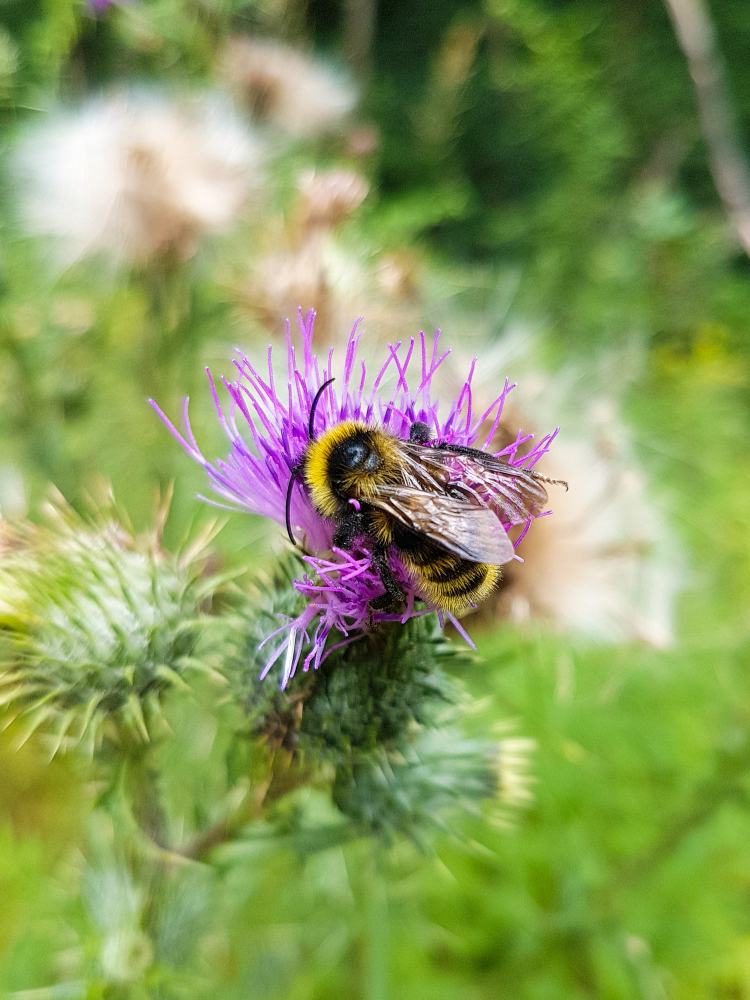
(553, 148)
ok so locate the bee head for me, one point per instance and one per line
(346, 461)
(356, 454)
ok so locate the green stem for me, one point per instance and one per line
(378, 940)
(284, 778)
(142, 788)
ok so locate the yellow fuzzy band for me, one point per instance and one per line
(316, 465)
(456, 595)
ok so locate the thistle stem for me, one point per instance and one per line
(696, 36)
(284, 778)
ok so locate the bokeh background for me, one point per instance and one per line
(542, 180)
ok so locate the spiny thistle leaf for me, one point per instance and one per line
(96, 623)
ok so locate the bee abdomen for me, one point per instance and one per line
(454, 584)
(443, 578)
(456, 576)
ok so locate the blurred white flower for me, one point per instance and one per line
(135, 175)
(285, 87)
(316, 275)
(328, 197)
(606, 564)
(305, 263)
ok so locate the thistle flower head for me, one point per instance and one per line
(328, 197)
(267, 424)
(95, 625)
(285, 87)
(133, 175)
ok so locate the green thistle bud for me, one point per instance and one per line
(96, 624)
(381, 717)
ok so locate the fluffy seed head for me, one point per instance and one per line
(604, 566)
(286, 88)
(135, 175)
(328, 197)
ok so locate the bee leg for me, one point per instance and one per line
(393, 598)
(349, 530)
(462, 449)
(420, 433)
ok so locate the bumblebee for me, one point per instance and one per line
(435, 505)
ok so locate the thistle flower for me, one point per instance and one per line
(280, 85)
(329, 197)
(267, 426)
(135, 175)
(605, 566)
(304, 265)
(95, 625)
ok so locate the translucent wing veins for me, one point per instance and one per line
(470, 531)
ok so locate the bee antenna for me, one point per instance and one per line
(289, 488)
(318, 394)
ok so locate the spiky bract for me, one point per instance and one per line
(382, 720)
(96, 624)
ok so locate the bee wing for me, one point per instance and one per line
(517, 493)
(472, 532)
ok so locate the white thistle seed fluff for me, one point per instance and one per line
(136, 174)
(605, 565)
(286, 88)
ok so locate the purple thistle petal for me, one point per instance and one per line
(461, 630)
(100, 6)
(268, 432)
